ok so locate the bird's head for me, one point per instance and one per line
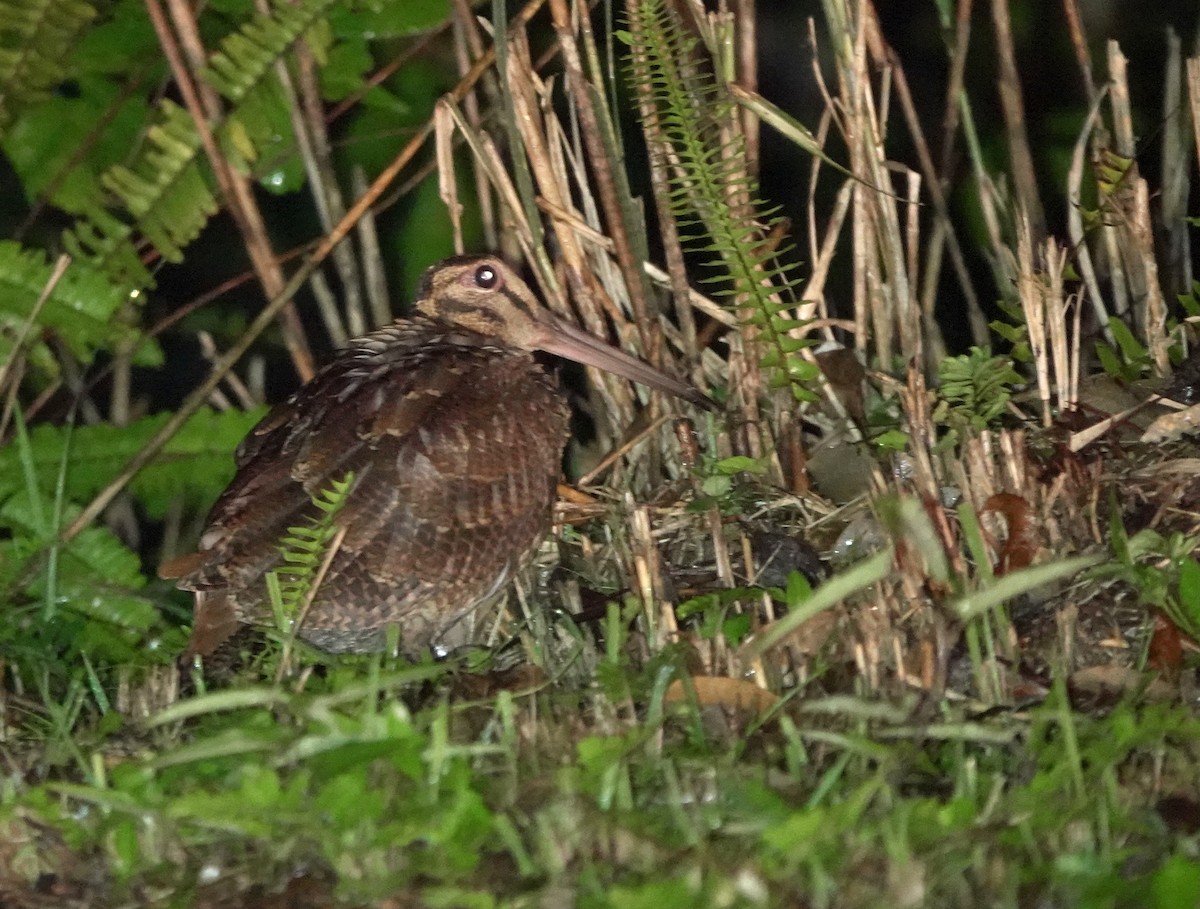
(484, 295)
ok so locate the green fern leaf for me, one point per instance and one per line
(692, 110)
(975, 388)
(80, 310)
(194, 465)
(304, 549)
(36, 38)
(164, 193)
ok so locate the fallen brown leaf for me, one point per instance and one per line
(721, 691)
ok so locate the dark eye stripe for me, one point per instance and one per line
(519, 304)
(456, 307)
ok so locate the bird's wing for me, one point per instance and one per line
(454, 460)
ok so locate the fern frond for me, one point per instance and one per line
(713, 199)
(245, 57)
(193, 467)
(36, 37)
(164, 194)
(80, 310)
(305, 548)
(975, 388)
(241, 69)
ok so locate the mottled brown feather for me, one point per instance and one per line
(454, 435)
(455, 451)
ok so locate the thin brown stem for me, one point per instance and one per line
(1013, 105)
(204, 106)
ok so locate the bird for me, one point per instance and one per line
(452, 435)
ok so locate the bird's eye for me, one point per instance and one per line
(487, 277)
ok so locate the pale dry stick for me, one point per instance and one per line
(517, 164)
(927, 292)
(707, 306)
(61, 264)
(649, 572)
(921, 315)
(374, 275)
(603, 171)
(1133, 198)
(443, 144)
(573, 220)
(1125, 284)
(819, 273)
(1014, 456)
(640, 576)
(746, 30)
(200, 394)
(730, 141)
(848, 118)
(992, 204)
(1118, 92)
(816, 285)
(1175, 239)
(208, 350)
(1013, 106)
(622, 449)
(204, 105)
(1076, 345)
(605, 279)
(1032, 298)
(1168, 426)
(1083, 255)
(792, 129)
(893, 288)
(534, 122)
(468, 46)
(881, 286)
(1154, 319)
(1193, 81)
(944, 235)
(525, 88)
(327, 308)
(1055, 307)
(954, 84)
(489, 161)
(1083, 56)
(894, 281)
(661, 189)
(974, 471)
(309, 122)
(912, 229)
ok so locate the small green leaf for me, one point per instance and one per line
(716, 486)
(739, 464)
(892, 440)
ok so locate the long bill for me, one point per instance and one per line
(559, 337)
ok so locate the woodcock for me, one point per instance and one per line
(454, 436)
